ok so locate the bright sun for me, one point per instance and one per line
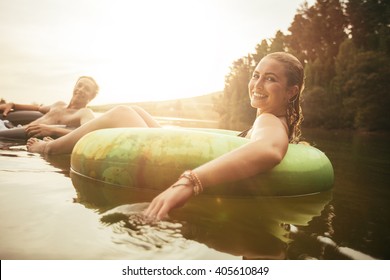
(136, 50)
(162, 56)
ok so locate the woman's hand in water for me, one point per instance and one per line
(173, 197)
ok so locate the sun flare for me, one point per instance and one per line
(136, 50)
(164, 56)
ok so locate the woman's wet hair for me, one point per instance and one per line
(295, 77)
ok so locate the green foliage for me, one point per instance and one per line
(317, 31)
(368, 90)
(345, 48)
(369, 21)
(278, 43)
(234, 105)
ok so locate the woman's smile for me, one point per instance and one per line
(260, 95)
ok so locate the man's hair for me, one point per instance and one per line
(92, 80)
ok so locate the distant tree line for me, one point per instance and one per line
(345, 47)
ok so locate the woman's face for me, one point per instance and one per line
(268, 90)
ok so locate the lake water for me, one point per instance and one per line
(49, 213)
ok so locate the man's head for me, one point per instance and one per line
(84, 91)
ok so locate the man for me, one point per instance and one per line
(57, 119)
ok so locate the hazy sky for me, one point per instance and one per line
(136, 50)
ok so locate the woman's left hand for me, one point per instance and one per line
(173, 197)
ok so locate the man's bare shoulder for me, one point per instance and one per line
(59, 104)
(56, 105)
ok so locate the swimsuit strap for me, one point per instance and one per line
(244, 133)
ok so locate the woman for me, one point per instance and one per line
(274, 90)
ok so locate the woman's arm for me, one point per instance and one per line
(268, 146)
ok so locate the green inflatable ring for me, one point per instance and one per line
(155, 158)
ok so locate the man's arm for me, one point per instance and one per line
(41, 130)
(9, 107)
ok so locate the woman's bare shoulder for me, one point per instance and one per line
(269, 126)
(267, 119)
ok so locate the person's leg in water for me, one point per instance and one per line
(121, 116)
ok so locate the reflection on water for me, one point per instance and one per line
(42, 218)
(245, 227)
(47, 213)
(141, 236)
(361, 191)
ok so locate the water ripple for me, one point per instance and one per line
(132, 229)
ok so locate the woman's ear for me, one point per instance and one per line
(293, 92)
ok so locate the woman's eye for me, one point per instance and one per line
(271, 79)
(255, 76)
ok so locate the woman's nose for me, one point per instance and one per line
(259, 82)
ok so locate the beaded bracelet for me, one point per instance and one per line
(194, 179)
